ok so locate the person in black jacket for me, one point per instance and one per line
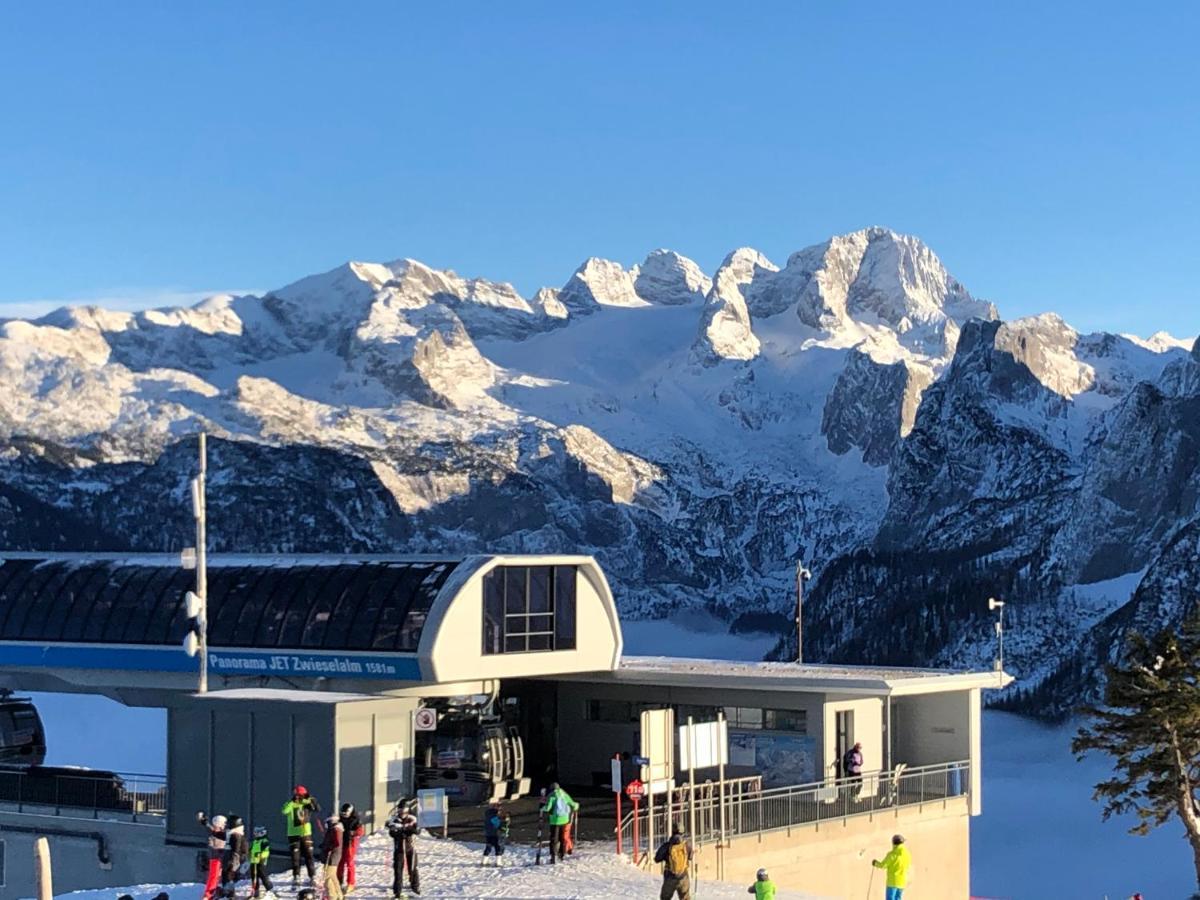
(352, 830)
(237, 849)
(403, 827)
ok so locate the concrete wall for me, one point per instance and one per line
(374, 756)
(137, 854)
(586, 746)
(868, 728)
(246, 757)
(931, 728)
(833, 858)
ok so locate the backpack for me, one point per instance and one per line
(562, 809)
(677, 859)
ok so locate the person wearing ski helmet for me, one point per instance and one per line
(897, 863)
(299, 812)
(331, 855)
(352, 830)
(237, 849)
(763, 887)
(402, 827)
(260, 856)
(216, 852)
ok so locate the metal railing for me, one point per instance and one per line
(750, 812)
(96, 794)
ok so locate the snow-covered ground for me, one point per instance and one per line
(451, 869)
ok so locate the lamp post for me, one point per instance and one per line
(997, 606)
(802, 575)
(195, 603)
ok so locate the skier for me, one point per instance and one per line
(675, 854)
(260, 856)
(216, 852)
(495, 831)
(236, 851)
(299, 811)
(558, 809)
(403, 827)
(332, 848)
(352, 830)
(896, 862)
(763, 887)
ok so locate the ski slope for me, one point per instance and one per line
(451, 869)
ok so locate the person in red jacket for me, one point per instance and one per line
(352, 830)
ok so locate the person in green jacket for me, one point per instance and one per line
(896, 862)
(299, 812)
(763, 887)
(260, 855)
(558, 810)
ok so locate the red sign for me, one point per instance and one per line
(635, 788)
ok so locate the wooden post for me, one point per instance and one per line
(41, 869)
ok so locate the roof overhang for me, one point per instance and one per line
(791, 677)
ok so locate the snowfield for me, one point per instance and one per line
(451, 869)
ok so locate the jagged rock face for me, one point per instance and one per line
(857, 408)
(668, 278)
(872, 406)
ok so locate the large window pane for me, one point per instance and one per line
(564, 607)
(515, 596)
(539, 589)
(493, 612)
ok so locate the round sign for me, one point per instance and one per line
(635, 788)
(425, 719)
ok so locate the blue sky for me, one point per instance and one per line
(1048, 152)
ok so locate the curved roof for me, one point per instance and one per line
(296, 603)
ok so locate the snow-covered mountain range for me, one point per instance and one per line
(856, 407)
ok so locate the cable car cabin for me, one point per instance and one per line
(22, 737)
(474, 755)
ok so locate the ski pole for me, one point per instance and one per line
(871, 882)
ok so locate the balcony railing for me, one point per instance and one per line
(786, 807)
(95, 794)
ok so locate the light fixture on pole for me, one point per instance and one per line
(802, 575)
(195, 603)
(997, 606)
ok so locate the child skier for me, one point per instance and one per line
(403, 828)
(331, 855)
(763, 887)
(896, 862)
(495, 831)
(216, 852)
(260, 856)
(352, 830)
(299, 812)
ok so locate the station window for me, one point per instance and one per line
(754, 719)
(528, 609)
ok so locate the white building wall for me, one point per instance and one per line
(456, 651)
(932, 728)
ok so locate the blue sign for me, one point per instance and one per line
(641, 760)
(289, 664)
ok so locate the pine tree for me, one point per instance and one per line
(1150, 725)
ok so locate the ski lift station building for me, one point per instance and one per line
(328, 671)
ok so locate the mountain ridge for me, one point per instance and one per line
(856, 407)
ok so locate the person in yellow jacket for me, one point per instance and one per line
(896, 862)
